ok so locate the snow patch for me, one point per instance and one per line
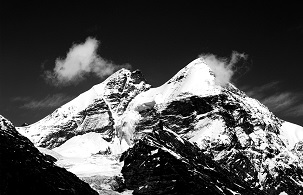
(50, 152)
(208, 129)
(83, 145)
(291, 134)
(94, 165)
(283, 193)
(126, 125)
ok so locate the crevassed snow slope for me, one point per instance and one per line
(90, 143)
(83, 145)
(79, 155)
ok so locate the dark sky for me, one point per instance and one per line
(157, 38)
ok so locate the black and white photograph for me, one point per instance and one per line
(151, 97)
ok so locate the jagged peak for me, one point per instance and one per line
(118, 74)
(138, 76)
(121, 71)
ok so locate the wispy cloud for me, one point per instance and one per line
(280, 101)
(296, 110)
(260, 91)
(225, 68)
(81, 60)
(284, 102)
(21, 99)
(50, 101)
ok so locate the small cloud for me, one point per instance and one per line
(225, 68)
(50, 101)
(81, 60)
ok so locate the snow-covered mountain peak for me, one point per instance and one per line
(192, 70)
(194, 79)
(97, 91)
(93, 110)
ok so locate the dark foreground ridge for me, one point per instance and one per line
(24, 170)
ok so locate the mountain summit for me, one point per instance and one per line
(189, 133)
(194, 79)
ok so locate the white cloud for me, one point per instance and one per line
(224, 68)
(81, 60)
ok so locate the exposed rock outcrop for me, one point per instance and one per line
(162, 162)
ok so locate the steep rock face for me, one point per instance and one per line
(162, 162)
(93, 111)
(121, 88)
(24, 170)
(95, 118)
(237, 131)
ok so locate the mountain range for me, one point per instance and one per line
(191, 135)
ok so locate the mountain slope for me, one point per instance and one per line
(24, 170)
(92, 111)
